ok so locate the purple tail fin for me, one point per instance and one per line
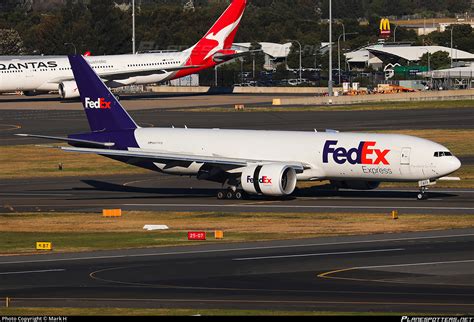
(103, 110)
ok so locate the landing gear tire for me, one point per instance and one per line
(239, 195)
(230, 195)
(221, 195)
(423, 195)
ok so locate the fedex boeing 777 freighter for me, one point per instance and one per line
(43, 74)
(267, 163)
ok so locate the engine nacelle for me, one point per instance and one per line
(269, 180)
(356, 185)
(68, 90)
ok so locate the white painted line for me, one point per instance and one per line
(294, 206)
(321, 254)
(34, 272)
(233, 249)
(36, 194)
(416, 264)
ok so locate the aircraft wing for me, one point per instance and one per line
(165, 157)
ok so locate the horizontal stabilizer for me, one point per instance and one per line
(219, 57)
(84, 143)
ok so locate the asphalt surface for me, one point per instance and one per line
(48, 122)
(156, 192)
(414, 272)
(423, 272)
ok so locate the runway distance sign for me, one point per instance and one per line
(196, 235)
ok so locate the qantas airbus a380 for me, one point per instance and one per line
(267, 163)
(44, 74)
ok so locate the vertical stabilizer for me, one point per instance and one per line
(103, 110)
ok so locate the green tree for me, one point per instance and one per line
(437, 60)
(10, 42)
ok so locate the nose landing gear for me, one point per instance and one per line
(423, 195)
(424, 185)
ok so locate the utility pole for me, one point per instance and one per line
(452, 28)
(133, 28)
(330, 85)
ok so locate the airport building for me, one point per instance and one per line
(274, 53)
(379, 55)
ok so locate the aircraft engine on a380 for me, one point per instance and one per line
(269, 180)
(68, 89)
(356, 185)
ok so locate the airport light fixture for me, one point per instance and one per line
(339, 52)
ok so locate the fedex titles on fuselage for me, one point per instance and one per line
(28, 65)
(365, 154)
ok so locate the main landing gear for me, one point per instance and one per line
(230, 194)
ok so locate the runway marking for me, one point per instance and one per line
(418, 264)
(239, 301)
(233, 249)
(295, 206)
(328, 275)
(36, 194)
(358, 199)
(34, 272)
(320, 254)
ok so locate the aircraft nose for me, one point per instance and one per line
(454, 164)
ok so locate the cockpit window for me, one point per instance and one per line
(443, 154)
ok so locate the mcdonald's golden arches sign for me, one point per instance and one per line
(385, 29)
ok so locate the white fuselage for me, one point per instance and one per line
(46, 73)
(355, 156)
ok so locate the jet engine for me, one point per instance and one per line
(68, 89)
(270, 180)
(356, 185)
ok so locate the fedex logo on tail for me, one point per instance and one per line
(101, 103)
(364, 154)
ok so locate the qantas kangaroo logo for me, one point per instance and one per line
(364, 154)
(220, 37)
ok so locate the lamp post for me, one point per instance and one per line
(215, 75)
(395, 33)
(301, 48)
(133, 28)
(330, 85)
(452, 28)
(339, 53)
(429, 65)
